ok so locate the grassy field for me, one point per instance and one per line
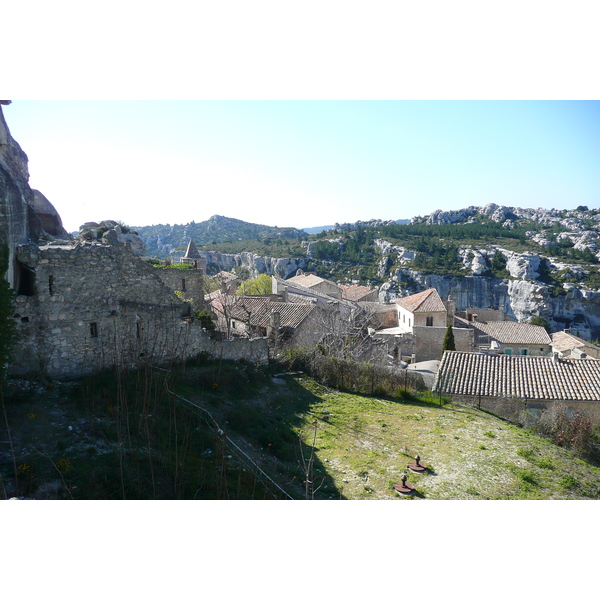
(364, 444)
(100, 438)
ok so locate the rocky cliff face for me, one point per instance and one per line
(254, 264)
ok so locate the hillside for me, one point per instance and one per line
(113, 437)
(162, 239)
(532, 262)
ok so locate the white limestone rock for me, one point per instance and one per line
(441, 217)
(523, 266)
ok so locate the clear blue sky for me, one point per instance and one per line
(305, 163)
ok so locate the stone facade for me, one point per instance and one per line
(93, 306)
(187, 282)
(429, 341)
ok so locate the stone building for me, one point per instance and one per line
(508, 337)
(512, 385)
(424, 309)
(567, 345)
(317, 284)
(188, 283)
(192, 257)
(92, 306)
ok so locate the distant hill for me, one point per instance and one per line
(162, 239)
(312, 230)
(373, 223)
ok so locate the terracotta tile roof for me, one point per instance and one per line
(510, 332)
(526, 377)
(307, 292)
(308, 280)
(355, 292)
(291, 314)
(427, 301)
(561, 341)
(256, 311)
(237, 307)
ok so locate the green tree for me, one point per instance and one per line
(206, 318)
(541, 322)
(448, 343)
(255, 287)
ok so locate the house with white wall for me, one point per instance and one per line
(424, 309)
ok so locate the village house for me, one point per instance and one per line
(318, 284)
(424, 309)
(508, 337)
(419, 326)
(567, 345)
(290, 323)
(358, 293)
(508, 385)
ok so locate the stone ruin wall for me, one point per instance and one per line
(189, 282)
(95, 306)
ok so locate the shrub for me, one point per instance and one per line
(206, 318)
(569, 430)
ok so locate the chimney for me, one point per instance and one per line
(273, 326)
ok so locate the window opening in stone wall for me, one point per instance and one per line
(137, 330)
(428, 321)
(24, 319)
(26, 279)
(51, 284)
(183, 285)
(523, 351)
(94, 330)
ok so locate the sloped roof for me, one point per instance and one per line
(257, 311)
(355, 292)
(226, 276)
(535, 377)
(427, 301)
(307, 292)
(291, 314)
(510, 332)
(309, 280)
(561, 341)
(192, 251)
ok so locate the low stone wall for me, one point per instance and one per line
(253, 350)
(518, 410)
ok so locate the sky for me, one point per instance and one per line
(305, 163)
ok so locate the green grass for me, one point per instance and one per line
(124, 438)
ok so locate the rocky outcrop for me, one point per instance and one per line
(474, 260)
(523, 266)
(19, 223)
(253, 263)
(49, 218)
(112, 232)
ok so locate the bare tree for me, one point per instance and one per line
(307, 465)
